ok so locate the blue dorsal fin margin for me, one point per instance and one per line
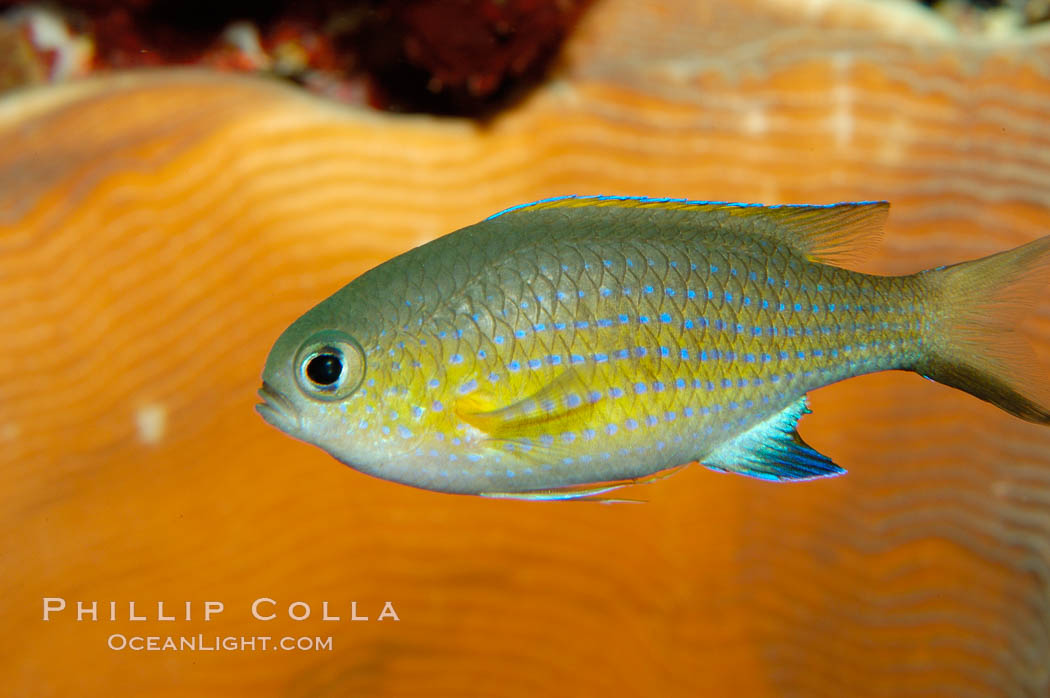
(670, 200)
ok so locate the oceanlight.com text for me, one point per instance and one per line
(217, 643)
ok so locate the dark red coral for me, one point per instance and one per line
(467, 57)
(462, 55)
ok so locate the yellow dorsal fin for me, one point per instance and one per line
(832, 234)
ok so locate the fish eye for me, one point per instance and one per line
(325, 369)
(330, 365)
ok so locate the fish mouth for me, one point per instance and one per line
(277, 410)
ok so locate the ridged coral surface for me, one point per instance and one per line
(159, 230)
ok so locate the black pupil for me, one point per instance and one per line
(324, 369)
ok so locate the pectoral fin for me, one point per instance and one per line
(560, 405)
(773, 450)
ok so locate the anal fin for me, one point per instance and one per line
(773, 450)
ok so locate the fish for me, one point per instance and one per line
(571, 346)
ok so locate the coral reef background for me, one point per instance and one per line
(158, 229)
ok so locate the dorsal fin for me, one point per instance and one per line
(830, 233)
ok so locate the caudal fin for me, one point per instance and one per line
(973, 343)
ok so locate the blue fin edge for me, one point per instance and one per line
(668, 200)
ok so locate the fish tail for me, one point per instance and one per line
(972, 344)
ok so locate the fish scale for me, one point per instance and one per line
(730, 345)
(562, 348)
